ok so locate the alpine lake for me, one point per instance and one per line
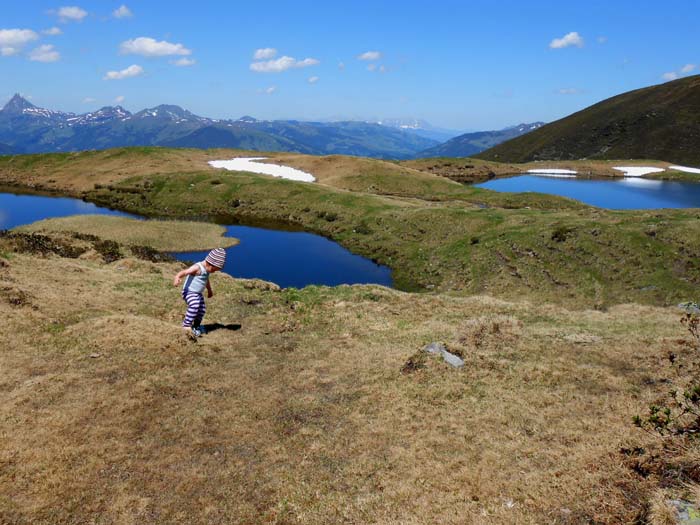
(297, 258)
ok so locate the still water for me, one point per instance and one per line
(617, 194)
(287, 258)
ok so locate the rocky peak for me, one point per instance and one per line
(18, 104)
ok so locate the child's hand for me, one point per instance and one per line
(210, 294)
(176, 280)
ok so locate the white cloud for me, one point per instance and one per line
(184, 62)
(71, 14)
(568, 91)
(44, 53)
(370, 55)
(265, 53)
(13, 40)
(122, 12)
(602, 39)
(307, 62)
(150, 47)
(688, 68)
(52, 31)
(371, 67)
(671, 75)
(120, 99)
(131, 71)
(281, 64)
(313, 80)
(89, 100)
(382, 68)
(268, 91)
(570, 39)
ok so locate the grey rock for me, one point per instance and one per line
(449, 358)
(452, 359)
(688, 513)
(690, 307)
(435, 348)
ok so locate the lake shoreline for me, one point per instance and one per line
(436, 235)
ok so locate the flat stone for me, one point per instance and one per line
(452, 359)
(435, 348)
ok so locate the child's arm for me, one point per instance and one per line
(209, 291)
(192, 270)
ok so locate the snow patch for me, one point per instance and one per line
(249, 164)
(552, 171)
(685, 168)
(637, 171)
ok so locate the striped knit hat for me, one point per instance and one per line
(217, 257)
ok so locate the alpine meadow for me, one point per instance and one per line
(447, 272)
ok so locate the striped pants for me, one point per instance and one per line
(196, 308)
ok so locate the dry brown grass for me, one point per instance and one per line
(108, 414)
(170, 236)
(362, 174)
(661, 512)
(79, 172)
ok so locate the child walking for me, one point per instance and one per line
(193, 289)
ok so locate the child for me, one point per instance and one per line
(197, 280)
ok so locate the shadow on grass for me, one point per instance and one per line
(218, 326)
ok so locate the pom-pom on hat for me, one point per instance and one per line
(217, 257)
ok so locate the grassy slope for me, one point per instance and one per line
(428, 229)
(301, 413)
(656, 122)
(168, 236)
(471, 170)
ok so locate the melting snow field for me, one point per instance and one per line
(637, 171)
(249, 164)
(684, 168)
(553, 171)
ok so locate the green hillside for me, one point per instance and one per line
(658, 122)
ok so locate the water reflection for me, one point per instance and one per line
(618, 194)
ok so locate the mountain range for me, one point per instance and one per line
(26, 128)
(660, 122)
(472, 143)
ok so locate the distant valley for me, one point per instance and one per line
(472, 143)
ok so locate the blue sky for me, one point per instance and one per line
(457, 64)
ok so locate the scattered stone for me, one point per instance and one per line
(690, 307)
(435, 348)
(688, 514)
(449, 358)
(452, 360)
(95, 356)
